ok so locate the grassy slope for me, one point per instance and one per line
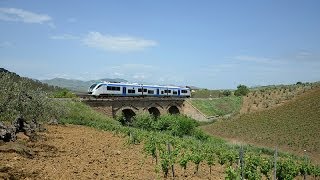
(217, 106)
(294, 126)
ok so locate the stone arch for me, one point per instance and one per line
(127, 112)
(173, 110)
(154, 111)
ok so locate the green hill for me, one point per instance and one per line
(217, 106)
(293, 126)
(77, 85)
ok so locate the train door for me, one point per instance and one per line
(157, 92)
(124, 91)
(178, 92)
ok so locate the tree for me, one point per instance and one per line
(226, 92)
(242, 90)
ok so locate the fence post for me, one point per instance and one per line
(275, 163)
(241, 161)
(172, 167)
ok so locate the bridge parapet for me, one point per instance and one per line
(130, 106)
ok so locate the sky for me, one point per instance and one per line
(211, 44)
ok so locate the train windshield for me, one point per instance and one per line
(92, 86)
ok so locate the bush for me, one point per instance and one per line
(226, 93)
(242, 90)
(176, 125)
(143, 121)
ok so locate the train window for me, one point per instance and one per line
(92, 86)
(131, 91)
(99, 86)
(175, 92)
(166, 91)
(150, 91)
(139, 90)
(161, 92)
(112, 88)
(169, 91)
(183, 91)
(145, 90)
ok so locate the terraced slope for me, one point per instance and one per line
(294, 126)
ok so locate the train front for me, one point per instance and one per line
(92, 88)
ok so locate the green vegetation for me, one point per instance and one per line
(218, 106)
(242, 90)
(26, 98)
(63, 93)
(169, 139)
(169, 150)
(205, 93)
(294, 125)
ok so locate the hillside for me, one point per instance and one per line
(77, 85)
(266, 97)
(293, 126)
(217, 106)
(32, 84)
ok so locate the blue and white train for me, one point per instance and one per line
(106, 89)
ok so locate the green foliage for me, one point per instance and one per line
(205, 93)
(232, 174)
(183, 161)
(266, 165)
(63, 93)
(143, 121)
(287, 169)
(242, 90)
(25, 97)
(252, 163)
(226, 93)
(176, 125)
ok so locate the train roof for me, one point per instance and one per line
(144, 85)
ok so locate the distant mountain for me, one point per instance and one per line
(77, 85)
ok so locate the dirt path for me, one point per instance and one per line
(77, 152)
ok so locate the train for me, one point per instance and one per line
(109, 89)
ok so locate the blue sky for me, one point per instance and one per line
(211, 44)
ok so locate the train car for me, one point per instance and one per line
(131, 90)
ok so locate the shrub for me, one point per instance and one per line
(242, 90)
(144, 121)
(226, 93)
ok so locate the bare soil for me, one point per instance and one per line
(78, 152)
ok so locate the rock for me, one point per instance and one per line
(53, 122)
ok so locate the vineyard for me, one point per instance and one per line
(174, 142)
(171, 152)
(272, 96)
(293, 127)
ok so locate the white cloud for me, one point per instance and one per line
(117, 43)
(20, 15)
(64, 37)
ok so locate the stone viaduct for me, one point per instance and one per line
(155, 106)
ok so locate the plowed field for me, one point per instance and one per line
(78, 152)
